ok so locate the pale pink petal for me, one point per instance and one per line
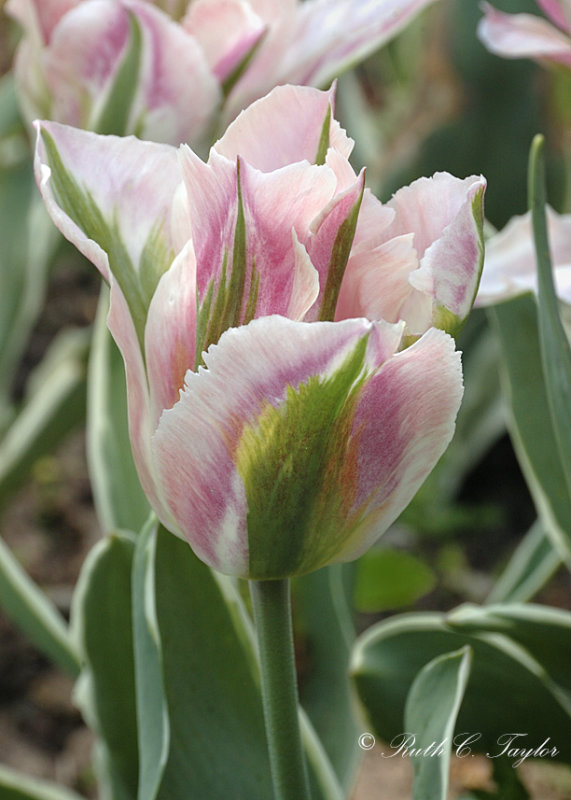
(274, 205)
(324, 229)
(523, 36)
(450, 267)
(559, 11)
(403, 424)
(39, 17)
(318, 40)
(282, 128)
(332, 35)
(86, 52)
(377, 285)
(510, 262)
(131, 182)
(195, 442)
(170, 332)
(226, 30)
(140, 424)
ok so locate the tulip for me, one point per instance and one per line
(530, 36)
(272, 430)
(510, 266)
(169, 71)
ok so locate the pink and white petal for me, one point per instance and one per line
(212, 199)
(428, 205)
(226, 31)
(131, 182)
(322, 239)
(39, 17)
(82, 60)
(305, 287)
(331, 35)
(510, 262)
(170, 332)
(282, 128)
(451, 266)
(276, 203)
(376, 283)
(170, 107)
(140, 425)
(559, 11)
(403, 424)
(523, 36)
(195, 443)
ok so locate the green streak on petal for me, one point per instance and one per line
(232, 79)
(338, 262)
(323, 145)
(80, 207)
(156, 258)
(444, 319)
(223, 306)
(297, 464)
(114, 117)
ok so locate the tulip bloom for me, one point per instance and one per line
(277, 419)
(530, 36)
(167, 71)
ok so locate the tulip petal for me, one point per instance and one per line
(331, 35)
(196, 441)
(170, 333)
(559, 11)
(90, 43)
(118, 217)
(123, 330)
(405, 420)
(523, 36)
(274, 273)
(286, 126)
(39, 17)
(510, 266)
(227, 30)
(446, 216)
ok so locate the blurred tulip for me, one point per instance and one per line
(173, 71)
(529, 36)
(510, 266)
(272, 430)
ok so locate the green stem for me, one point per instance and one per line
(272, 616)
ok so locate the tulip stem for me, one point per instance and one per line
(272, 616)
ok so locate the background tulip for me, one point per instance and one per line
(174, 71)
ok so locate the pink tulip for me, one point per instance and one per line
(274, 439)
(510, 266)
(169, 71)
(530, 36)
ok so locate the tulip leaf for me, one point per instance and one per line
(504, 674)
(197, 679)
(389, 579)
(531, 424)
(102, 626)
(53, 406)
(431, 710)
(530, 567)
(198, 683)
(18, 786)
(34, 613)
(544, 632)
(555, 350)
(118, 496)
